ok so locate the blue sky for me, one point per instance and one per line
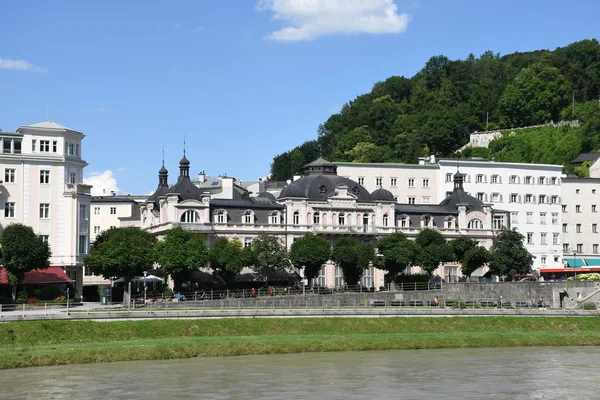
(242, 80)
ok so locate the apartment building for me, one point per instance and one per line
(42, 172)
(409, 183)
(531, 193)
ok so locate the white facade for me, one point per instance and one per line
(581, 220)
(530, 192)
(409, 183)
(42, 172)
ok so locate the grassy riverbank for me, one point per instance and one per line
(41, 343)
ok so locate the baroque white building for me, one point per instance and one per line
(530, 193)
(42, 175)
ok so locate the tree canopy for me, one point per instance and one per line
(122, 253)
(509, 256)
(180, 253)
(22, 251)
(268, 256)
(402, 119)
(310, 252)
(474, 258)
(227, 259)
(434, 250)
(353, 258)
(397, 253)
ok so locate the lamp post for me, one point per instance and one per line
(145, 286)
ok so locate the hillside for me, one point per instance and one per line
(434, 112)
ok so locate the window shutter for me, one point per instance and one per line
(519, 198)
(500, 198)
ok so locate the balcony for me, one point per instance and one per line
(345, 229)
(77, 189)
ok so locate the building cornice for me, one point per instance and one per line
(486, 164)
(387, 165)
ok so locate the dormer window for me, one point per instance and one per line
(274, 218)
(322, 189)
(355, 190)
(221, 217)
(248, 217)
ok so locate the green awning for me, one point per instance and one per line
(575, 262)
(593, 262)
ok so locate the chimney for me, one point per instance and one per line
(202, 177)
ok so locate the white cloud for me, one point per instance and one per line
(103, 183)
(20, 65)
(310, 19)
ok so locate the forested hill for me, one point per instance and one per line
(433, 112)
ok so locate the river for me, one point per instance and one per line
(500, 373)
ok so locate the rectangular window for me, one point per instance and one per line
(554, 199)
(71, 149)
(45, 177)
(113, 210)
(54, 146)
(378, 181)
(247, 241)
(411, 182)
(580, 247)
(9, 210)
(554, 218)
(565, 247)
(513, 179)
(595, 249)
(543, 238)
(528, 180)
(425, 182)
(17, 146)
(594, 208)
(361, 180)
(495, 179)
(96, 229)
(411, 200)
(578, 208)
(72, 178)
(33, 146)
(543, 259)
(83, 244)
(593, 191)
(514, 198)
(296, 219)
(542, 199)
(498, 222)
(45, 238)
(528, 198)
(543, 218)
(529, 217)
(564, 208)
(514, 217)
(393, 182)
(542, 180)
(7, 146)
(481, 196)
(594, 228)
(529, 237)
(555, 237)
(496, 197)
(577, 191)
(554, 180)
(448, 177)
(426, 200)
(9, 175)
(83, 212)
(44, 146)
(479, 178)
(578, 228)
(564, 229)
(341, 219)
(44, 210)
(96, 210)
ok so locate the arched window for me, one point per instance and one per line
(248, 217)
(426, 221)
(385, 220)
(342, 219)
(296, 218)
(190, 217)
(317, 218)
(475, 223)
(221, 217)
(274, 218)
(450, 223)
(322, 189)
(404, 221)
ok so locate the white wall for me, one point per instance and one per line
(581, 198)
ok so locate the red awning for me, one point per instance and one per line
(49, 276)
(560, 270)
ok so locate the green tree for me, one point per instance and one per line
(434, 250)
(353, 258)
(227, 259)
(22, 251)
(473, 259)
(537, 94)
(460, 246)
(269, 256)
(180, 253)
(122, 253)
(509, 256)
(310, 252)
(396, 254)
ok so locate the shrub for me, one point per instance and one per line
(459, 304)
(589, 306)
(22, 297)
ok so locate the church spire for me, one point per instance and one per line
(184, 164)
(163, 174)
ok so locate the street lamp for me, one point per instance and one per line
(145, 286)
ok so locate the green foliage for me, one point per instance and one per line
(122, 253)
(434, 250)
(227, 259)
(509, 256)
(460, 246)
(353, 258)
(310, 252)
(474, 259)
(180, 253)
(22, 297)
(268, 256)
(397, 253)
(589, 306)
(22, 251)
(402, 119)
(594, 276)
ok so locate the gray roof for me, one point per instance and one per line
(320, 162)
(459, 196)
(424, 209)
(585, 157)
(113, 199)
(246, 203)
(270, 185)
(320, 187)
(186, 189)
(382, 194)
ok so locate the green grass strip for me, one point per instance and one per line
(42, 343)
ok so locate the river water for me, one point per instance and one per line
(511, 373)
